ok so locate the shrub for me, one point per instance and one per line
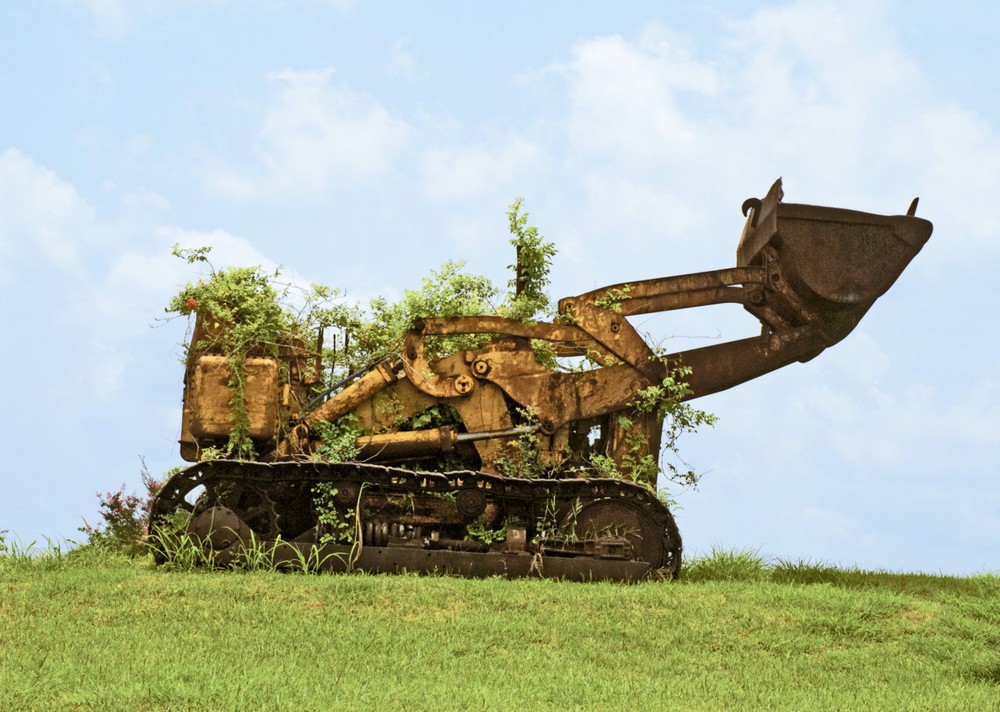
(123, 516)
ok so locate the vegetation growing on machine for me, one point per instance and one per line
(482, 431)
(246, 311)
(665, 403)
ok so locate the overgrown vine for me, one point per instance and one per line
(245, 311)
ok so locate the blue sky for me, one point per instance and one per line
(362, 144)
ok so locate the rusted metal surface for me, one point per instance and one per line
(355, 394)
(807, 273)
(211, 414)
(832, 258)
(418, 521)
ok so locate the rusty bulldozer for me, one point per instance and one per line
(442, 497)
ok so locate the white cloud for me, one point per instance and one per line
(113, 18)
(955, 159)
(314, 135)
(625, 95)
(96, 285)
(639, 158)
(451, 173)
(823, 52)
(630, 208)
(974, 419)
(830, 526)
(99, 70)
(342, 6)
(666, 138)
(815, 91)
(42, 218)
(129, 295)
(402, 62)
(227, 249)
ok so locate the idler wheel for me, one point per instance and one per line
(218, 528)
(619, 519)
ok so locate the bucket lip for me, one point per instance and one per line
(765, 224)
(802, 211)
(911, 229)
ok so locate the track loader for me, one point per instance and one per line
(507, 485)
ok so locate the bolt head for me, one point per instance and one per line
(464, 384)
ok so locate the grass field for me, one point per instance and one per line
(91, 631)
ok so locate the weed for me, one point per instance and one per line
(254, 312)
(614, 298)
(726, 565)
(531, 271)
(173, 545)
(665, 401)
(336, 526)
(478, 531)
(312, 560)
(337, 439)
(433, 417)
(54, 556)
(522, 458)
(211, 452)
(557, 524)
(548, 523)
(244, 307)
(804, 572)
(177, 549)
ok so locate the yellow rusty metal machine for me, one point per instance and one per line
(410, 499)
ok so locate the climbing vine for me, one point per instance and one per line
(241, 316)
(665, 402)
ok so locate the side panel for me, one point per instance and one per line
(208, 412)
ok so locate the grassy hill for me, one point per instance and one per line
(90, 631)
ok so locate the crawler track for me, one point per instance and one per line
(384, 519)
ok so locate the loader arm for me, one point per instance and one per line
(807, 273)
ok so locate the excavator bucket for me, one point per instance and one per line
(832, 259)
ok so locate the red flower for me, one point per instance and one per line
(191, 304)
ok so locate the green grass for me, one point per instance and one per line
(90, 631)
